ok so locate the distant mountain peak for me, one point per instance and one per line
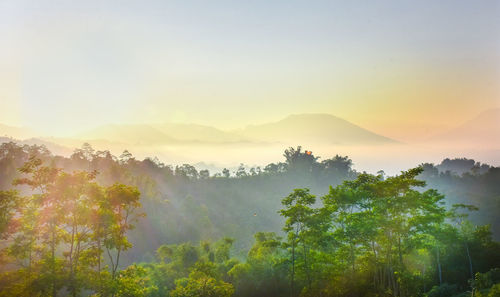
(314, 128)
(305, 128)
(482, 130)
(16, 132)
(127, 133)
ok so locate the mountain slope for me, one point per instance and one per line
(294, 129)
(314, 128)
(53, 147)
(16, 132)
(128, 134)
(197, 133)
(481, 131)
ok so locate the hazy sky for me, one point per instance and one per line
(394, 67)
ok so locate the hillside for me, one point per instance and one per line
(303, 128)
(314, 128)
(128, 134)
(482, 130)
(16, 132)
(197, 133)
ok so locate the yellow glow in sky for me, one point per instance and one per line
(399, 69)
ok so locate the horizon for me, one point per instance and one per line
(216, 152)
(46, 134)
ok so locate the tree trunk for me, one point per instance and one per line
(423, 278)
(307, 267)
(99, 264)
(293, 267)
(439, 267)
(71, 258)
(53, 259)
(400, 253)
(375, 272)
(352, 256)
(401, 292)
(470, 260)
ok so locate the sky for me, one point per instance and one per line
(399, 68)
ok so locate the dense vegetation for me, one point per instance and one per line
(318, 228)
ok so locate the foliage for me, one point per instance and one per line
(62, 229)
(444, 290)
(72, 227)
(199, 284)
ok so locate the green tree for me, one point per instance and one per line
(41, 216)
(202, 282)
(61, 229)
(265, 271)
(124, 205)
(9, 204)
(299, 226)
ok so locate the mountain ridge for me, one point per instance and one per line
(315, 127)
(483, 129)
(16, 132)
(302, 128)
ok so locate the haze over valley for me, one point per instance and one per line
(256, 145)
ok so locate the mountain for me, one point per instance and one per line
(55, 148)
(128, 134)
(482, 131)
(197, 133)
(16, 132)
(167, 133)
(302, 128)
(314, 128)
(294, 129)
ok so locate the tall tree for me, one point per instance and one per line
(299, 222)
(124, 205)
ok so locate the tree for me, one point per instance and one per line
(46, 207)
(134, 282)
(62, 227)
(123, 204)
(204, 174)
(202, 282)
(299, 161)
(298, 226)
(241, 171)
(9, 203)
(338, 166)
(74, 194)
(385, 220)
(186, 171)
(125, 157)
(226, 173)
(464, 228)
(265, 271)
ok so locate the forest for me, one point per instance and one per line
(95, 224)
